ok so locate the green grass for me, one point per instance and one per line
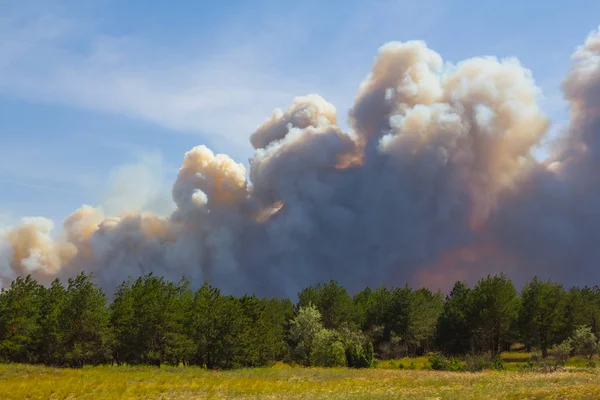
(282, 382)
(513, 361)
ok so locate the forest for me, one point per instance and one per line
(152, 321)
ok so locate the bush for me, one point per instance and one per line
(476, 363)
(559, 356)
(438, 362)
(497, 364)
(359, 355)
(536, 356)
(303, 331)
(584, 342)
(456, 365)
(327, 350)
(561, 352)
(358, 349)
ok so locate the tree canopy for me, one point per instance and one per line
(152, 321)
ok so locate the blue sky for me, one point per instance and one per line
(98, 94)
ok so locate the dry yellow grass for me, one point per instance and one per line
(31, 382)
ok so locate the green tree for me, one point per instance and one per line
(426, 308)
(20, 330)
(542, 314)
(228, 324)
(127, 348)
(333, 302)
(273, 328)
(453, 329)
(222, 330)
(261, 336)
(202, 325)
(584, 342)
(51, 348)
(402, 321)
(496, 306)
(361, 303)
(583, 308)
(376, 323)
(148, 316)
(303, 331)
(84, 319)
(358, 348)
(327, 350)
(178, 346)
(399, 317)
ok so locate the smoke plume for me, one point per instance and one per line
(434, 183)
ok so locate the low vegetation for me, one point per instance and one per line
(283, 382)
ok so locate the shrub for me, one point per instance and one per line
(583, 342)
(358, 349)
(497, 364)
(476, 363)
(303, 331)
(456, 365)
(559, 356)
(327, 350)
(438, 362)
(359, 355)
(561, 352)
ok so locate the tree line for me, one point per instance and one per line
(151, 321)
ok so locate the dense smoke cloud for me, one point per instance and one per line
(436, 182)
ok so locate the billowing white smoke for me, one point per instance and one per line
(435, 183)
(550, 223)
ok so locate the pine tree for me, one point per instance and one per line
(85, 332)
(148, 317)
(333, 302)
(542, 314)
(20, 330)
(454, 326)
(51, 349)
(496, 307)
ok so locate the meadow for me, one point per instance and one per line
(285, 382)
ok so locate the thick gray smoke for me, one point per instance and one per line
(436, 182)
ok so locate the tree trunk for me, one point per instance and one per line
(495, 343)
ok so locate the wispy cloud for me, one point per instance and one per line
(38, 186)
(41, 168)
(223, 94)
(223, 90)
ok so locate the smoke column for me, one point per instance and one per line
(434, 183)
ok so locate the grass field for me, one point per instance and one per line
(32, 382)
